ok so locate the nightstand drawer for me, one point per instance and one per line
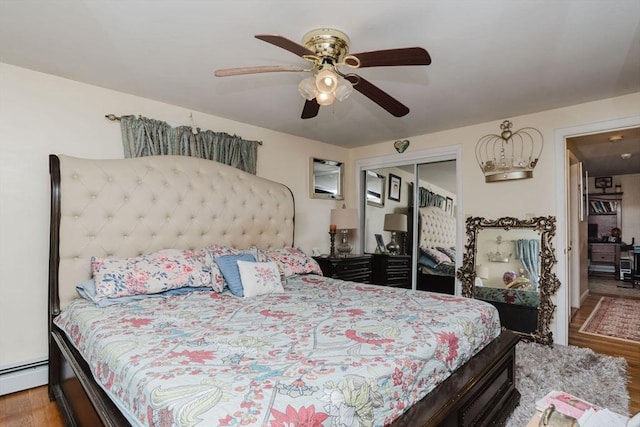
(392, 270)
(356, 268)
(603, 248)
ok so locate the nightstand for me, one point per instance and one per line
(355, 268)
(391, 270)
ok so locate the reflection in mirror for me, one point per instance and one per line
(326, 179)
(508, 259)
(508, 263)
(375, 185)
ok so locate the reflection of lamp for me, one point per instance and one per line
(394, 223)
(344, 220)
(510, 155)
(482, 271)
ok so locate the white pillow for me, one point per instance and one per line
(259, 278)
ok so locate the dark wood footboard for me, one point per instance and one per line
(481, 393)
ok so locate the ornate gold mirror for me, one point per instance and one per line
(508, 263)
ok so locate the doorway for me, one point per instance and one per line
(565, 270)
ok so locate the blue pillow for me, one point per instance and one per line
(228, 265)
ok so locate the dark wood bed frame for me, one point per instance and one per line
(480, 393)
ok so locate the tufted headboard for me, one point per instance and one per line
(437, 228)
(127, 207)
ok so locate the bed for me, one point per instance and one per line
(285, 359)
(436, 250)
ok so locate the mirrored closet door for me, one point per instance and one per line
(410, 224)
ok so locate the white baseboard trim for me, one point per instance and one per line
(24, 379)
(584, 296)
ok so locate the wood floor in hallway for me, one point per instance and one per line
(630, 351)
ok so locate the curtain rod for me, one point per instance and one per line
(113, 118)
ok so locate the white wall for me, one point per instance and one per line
(41, 114)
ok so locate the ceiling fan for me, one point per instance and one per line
(328, 52)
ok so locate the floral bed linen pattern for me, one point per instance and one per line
(324, 353)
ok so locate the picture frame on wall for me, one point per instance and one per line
(448, 207)
(395, 185)
(603, 182)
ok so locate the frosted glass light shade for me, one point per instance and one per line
(326, 81)
(344, 89)
(325, 98)
(307, 88)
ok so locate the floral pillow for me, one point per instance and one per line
(450, 252)
(291, 261)
(149, 274)
(259, 278)
(437, 256)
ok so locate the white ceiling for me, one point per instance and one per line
(492, 59)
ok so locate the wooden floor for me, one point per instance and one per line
(31, 408)
(630, 351)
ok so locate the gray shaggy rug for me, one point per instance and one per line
(596, 378)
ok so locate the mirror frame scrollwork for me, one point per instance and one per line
(549, 283)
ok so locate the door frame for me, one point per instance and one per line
(562, 212)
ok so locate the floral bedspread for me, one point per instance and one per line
(324, 353)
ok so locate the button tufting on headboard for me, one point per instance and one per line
(127, 207)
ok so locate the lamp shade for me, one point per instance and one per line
(395, 222)
(344, 219)
(482, 271)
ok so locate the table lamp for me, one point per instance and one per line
(394, 223)
(344, 220)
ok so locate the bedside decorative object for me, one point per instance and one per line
(510, 155)
(344, 220)
(332, 237)
(380, 249)
(394, 223)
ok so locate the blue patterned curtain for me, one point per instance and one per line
(142, 136)
(528, 252)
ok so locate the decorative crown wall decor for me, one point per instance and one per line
(510, 155)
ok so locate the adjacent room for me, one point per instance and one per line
(387, 213)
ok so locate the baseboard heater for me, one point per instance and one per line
(23, 376)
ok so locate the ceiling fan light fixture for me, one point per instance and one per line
(344, 89)
(325, 98)
(307, 88)
(326, 81)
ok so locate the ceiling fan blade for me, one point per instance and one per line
(225, 72)
(310, 109)
(378, 96)
(285, 44)
(392, 57)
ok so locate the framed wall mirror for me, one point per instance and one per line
(508, 262)
(326, 179)
(375, 186)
